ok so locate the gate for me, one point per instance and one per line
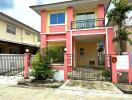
(11, 64)
(89, 67)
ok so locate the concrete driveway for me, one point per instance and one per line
(30, 93)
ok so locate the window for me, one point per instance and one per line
(27, 32)
(85, 20)
(0, 50)
(57, 18)
(13, 50)
(11, 29)
(81, 51)
(38, 38)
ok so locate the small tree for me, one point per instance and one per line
(118, 15)
(43, 61)
(42, 64)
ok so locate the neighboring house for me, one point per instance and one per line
(127, 46)
(79, 26)
(15, 36)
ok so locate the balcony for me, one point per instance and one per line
(87, 24)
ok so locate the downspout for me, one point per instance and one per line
(107, 44)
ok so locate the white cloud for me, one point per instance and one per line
(23, 13)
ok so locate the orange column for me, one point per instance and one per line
(114, 71)
(110, 34)
(100, 11)
(69, 17)
(69, 32)
(26, 64)
(100, 15)
(43, 41)
(65, 66)
(130, 68)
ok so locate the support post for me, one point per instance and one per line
(65, 67)
(114, 72)
(130, 69)
(26, 63)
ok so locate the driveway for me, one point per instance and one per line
(65, 92)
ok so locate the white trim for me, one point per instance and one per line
(71, 46)
(56, 25)
(107, 41)
(54, 33)
(22, 43)
(89, 34)
(96, 28)
(57, 13)
(56, 40)
(42, 33)
(89, 29)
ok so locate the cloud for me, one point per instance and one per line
(6, 4)
(49, 1)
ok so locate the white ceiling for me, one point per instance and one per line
(89, 38)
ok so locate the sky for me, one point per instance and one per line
(19, 9)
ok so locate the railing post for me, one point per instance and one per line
(26, 63)
(65, 67)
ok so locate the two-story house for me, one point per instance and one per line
(15, 36)
(79, 26)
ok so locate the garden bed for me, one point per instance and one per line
(126, 88)
(101, 86)
(40, 83)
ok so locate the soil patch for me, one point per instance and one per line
(91, 85)
(40, 83)
(126, 88)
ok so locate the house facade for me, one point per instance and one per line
(15, 36)
(79, 26)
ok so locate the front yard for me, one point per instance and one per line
(71, 90)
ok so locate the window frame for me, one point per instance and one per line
(57, 18)
(85, 22)
(27, 32)
(11, 29)
(82, 51)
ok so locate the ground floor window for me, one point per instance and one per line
(58, 54)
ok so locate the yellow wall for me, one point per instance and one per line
(90, 53)
(55, 11)
(20, 35)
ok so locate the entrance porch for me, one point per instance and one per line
(89, 51)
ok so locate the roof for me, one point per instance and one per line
(64, 4)
(18, 23)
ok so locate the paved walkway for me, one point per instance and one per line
(28, 93)
(10, 80)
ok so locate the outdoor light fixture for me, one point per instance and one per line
(65, 49)
(27, 50)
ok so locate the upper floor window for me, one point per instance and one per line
(85, 20)
(57, 18)
(27, 32)
(11, 29)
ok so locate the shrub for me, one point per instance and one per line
(106, 73)
(42, 64)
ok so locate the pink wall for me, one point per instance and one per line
(43, 42)
(110, 41)
(56, 36)
(100, 11)
(57, 28)
(69, 17)
(86, 32)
